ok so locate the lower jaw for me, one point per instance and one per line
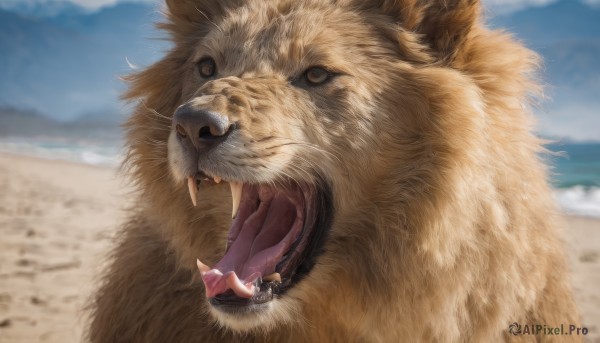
(252, 318)
(241, 311)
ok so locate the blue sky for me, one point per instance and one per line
(498, 6)
(573, 119)
(506, 4)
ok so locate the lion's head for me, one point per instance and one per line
(340, 132)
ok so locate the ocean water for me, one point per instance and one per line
(575, 169)
(106, 153)
(576, 177)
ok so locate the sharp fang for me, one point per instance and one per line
(203, 268)
(272, 277)
(193, 188)
(236, 195)
(217, 179)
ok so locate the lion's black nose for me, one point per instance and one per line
(201, 127)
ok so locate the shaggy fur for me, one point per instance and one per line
(444, 227)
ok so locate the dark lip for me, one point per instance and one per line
(314, 243)
(230, 302)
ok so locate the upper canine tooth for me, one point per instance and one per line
(217, 179)
(203, 268)
(236, 195)
(193, 188)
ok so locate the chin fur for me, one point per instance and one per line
(274, 314)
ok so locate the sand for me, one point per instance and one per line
(57, 220)
(583, 239)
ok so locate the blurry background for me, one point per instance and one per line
(60, 63)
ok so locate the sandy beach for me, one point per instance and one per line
(56, 223)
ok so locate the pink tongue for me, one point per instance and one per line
(264, 234)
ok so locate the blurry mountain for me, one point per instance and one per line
(42, 8)
(558, 21)
(20, 122)
(62, 61)
(91, 127)
(567, 35)
(68, 63)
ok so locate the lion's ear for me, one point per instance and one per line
(193, 10)
(446, 24)
(443, 24)
(193, 13)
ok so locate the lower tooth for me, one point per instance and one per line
(272, 277)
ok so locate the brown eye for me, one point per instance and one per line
(207, 67)
(317, 76)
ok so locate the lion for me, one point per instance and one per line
(359, 171)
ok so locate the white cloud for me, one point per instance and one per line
(497, 6)
(506, 6)
(523, 3)
(577, 122)
(94, 4)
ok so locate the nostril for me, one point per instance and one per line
(180, 131)
(214, 131)
(206, 133)
(200, 126)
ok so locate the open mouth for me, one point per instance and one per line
(275, 237)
